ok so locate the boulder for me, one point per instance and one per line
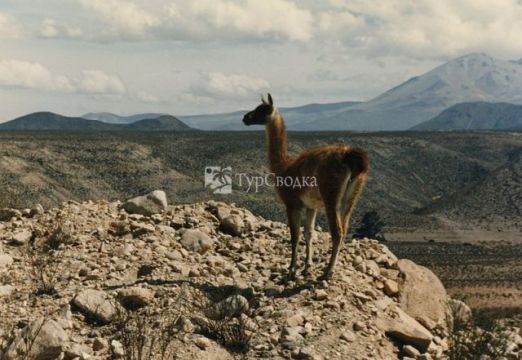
(5, 260)
(96, 305)
(232, 224)
(135, 297)
(6, 290)
(152, 203)
(405, 329)
(47, 338)
(421, 294)
(22, 237)
(196, 240)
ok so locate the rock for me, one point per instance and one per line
(202, 342)
(77, 351)
(320, 294)
(64, 318)
(405, 329)
(348, 336)
(117, 349)
(410, 351)
(358, 326)
(135, 297)
(47, 341)
(96, 305)
(37, 210)
(8, 214)
(152, 203)
(100, 344)
(295, 320)
(291, 336)
(422, 295)
(307, 353)
(372, 268)
(391, 287)
(196, 240)
(232, 306)
(6, 290)
(22, 237)
(5, 260)
(232, 224)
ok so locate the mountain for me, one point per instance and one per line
(470, 78)
(161, 123)
(52, 121)
(476, 115)
(295, 117)
(117, 119)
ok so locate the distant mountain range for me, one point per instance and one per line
(476, 115)
(117, 119)
(52, 121)
(474, 91)
(470, 78)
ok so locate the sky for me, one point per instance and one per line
(207, 56)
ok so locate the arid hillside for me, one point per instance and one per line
(418, 180)
(141, 280)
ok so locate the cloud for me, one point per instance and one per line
(217, 85)
(427, 28)
(9, 28)
(32, 75)
(51, 29)
(207, 20)
(98, 82)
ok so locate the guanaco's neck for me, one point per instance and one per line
(277, 143)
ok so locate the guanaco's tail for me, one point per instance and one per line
(357, 160)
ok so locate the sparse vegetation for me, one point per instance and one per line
(371, 227)
(477, 339)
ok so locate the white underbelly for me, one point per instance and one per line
(312, 199)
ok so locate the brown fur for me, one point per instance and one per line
(341, 173)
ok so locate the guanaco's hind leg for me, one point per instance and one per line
(294, 223)
(309, 234)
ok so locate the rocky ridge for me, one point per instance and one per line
(70, 275)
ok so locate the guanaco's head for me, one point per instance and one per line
(262, 114)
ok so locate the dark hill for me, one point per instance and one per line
(476, 115)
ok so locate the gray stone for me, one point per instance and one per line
(48, 341)
(152, 203)
(22, 237)
(95, 304)
(6, 290)
(196, 240)
(233, 225)
(405, 329)
(135, 297)
(5, 260)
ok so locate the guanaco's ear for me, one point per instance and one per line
(270, 101)
(263, 99)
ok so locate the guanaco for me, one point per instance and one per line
(340, 174)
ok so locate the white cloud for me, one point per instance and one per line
(217, 85)
(132, 20)
(9, 28)
(51, 29)
(428, 28)
(124, 19)
(32, 75)
(145, 97)
(98, 82)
